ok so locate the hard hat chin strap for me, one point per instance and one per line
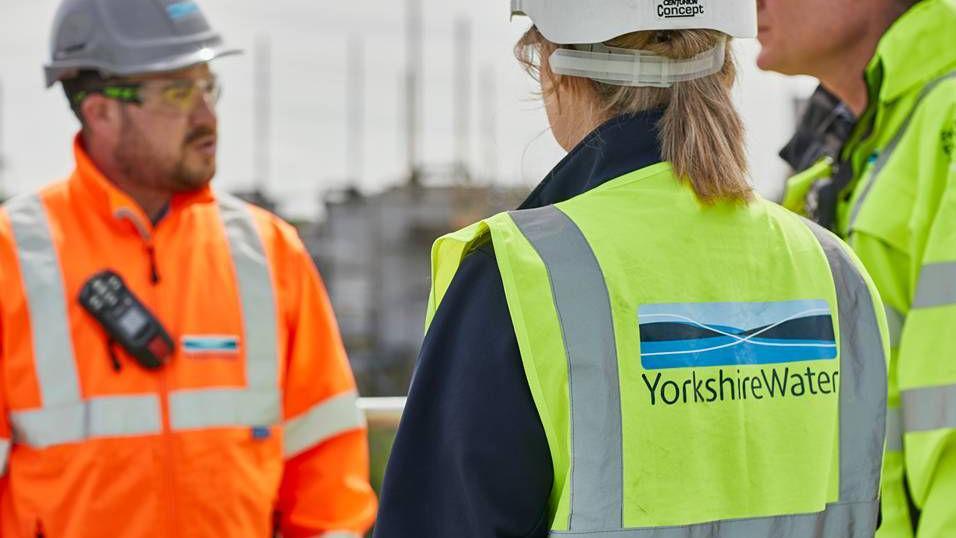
(627, 67)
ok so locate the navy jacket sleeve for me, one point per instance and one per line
(471, 459)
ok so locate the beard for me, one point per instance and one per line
(142, 163)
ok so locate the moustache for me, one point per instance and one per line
(199, 134)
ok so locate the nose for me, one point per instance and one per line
(204, 112)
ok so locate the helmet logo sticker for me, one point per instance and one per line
(679, 9)
(181, 10)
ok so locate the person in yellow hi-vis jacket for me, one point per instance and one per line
(646, 348)
(891, 193)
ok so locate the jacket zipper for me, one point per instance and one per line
(168, 452)
(153, 269)
(163, 375)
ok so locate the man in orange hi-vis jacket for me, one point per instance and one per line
(169, 361)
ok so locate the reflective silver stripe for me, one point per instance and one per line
(4, 456)
(929, 408)
(894, 429)
(339, 534)
(256, 294)
(46, 300)
(863, 390)
(108, 416)
(223, 408)
(584, 309)
(937, 285)
(323, 421)
(837, 521)
(259, 403)
(890, 148)
(894, 322)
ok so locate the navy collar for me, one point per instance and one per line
(619, 146)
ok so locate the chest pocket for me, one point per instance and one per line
(884, 202)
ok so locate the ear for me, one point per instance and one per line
(577, 91)
(100, 114)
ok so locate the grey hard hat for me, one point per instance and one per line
(130, 37)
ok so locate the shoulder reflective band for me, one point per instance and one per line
(584, 307)
(583, 304)
(46, 301)
(260, 321)
(863, 390)
(259, 403)
(890, 148)
(624, 67)
(936, 286)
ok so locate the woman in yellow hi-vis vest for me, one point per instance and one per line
(645, 348)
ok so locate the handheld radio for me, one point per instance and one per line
(125, 319)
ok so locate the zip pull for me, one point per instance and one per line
(39, 529)
(153, 269)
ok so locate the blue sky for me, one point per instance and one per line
(309, 45)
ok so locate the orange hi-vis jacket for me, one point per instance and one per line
(251, 426)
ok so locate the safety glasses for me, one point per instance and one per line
(169, 96)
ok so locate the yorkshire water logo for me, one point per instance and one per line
(679, 9)
(693, 335)
(704, 353)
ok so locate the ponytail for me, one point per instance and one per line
(701, 134)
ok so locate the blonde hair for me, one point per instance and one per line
(701, 133)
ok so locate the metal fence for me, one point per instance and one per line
(382, 413)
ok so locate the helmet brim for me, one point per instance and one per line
(57, 71)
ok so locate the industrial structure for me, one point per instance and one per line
(373, 253)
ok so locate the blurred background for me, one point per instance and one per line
(375, 127)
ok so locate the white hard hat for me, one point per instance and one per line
(583, 25)
(595, 21)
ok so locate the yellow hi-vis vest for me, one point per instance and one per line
(712, 371)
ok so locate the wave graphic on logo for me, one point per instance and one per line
(677, 340)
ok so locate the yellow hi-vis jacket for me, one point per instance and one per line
(899, 216)
(699, 371)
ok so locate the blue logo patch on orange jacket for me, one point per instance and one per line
(210, 344)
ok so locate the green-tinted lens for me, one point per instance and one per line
(126, 94)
